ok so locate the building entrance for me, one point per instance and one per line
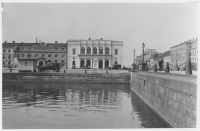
(88, 63)
(106, 63)
(100, 64)
(82, 63)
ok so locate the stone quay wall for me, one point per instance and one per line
(64, 77)
(172, 98)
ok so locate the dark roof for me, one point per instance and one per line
(10, 44)
(166, 53)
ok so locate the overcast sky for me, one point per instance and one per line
(159, 26)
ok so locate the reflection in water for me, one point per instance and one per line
(73, 105)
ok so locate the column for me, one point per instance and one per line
(92, 50)
(85, 62)
(97, 50)
(85, 49)
(103, 63)
(91, 63)
(109, 62)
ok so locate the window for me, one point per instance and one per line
(36, 55)
(22, 55)
(116, 51)
(4, 50)
(25, 63)
(29, 48)
(29, 55)
(49, 55)
(63, 55)
(88, 50)
(74, 51)
(9, 62)
(8, 50)
(107, 51)
(56, 61)
(56, 55)
(62, 48)
(63, 61)
(95, 50)
(56, 48)
(42, 55)
(4, 57)
(101, 50)
(82, 50)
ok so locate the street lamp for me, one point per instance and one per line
(143, 45)
(134, 56)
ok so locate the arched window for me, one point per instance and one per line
(4, 50)
(82, 50)
(63, 55)
(56, 61)
(62, 61)
(107, 51)
(42, 55)
(88, 50)
(95, 50)
(8, 50)
(101, 50)
(36, 55)
(29, 55)
(22, 55)
(49, 55)
(56, 55)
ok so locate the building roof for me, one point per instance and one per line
(167, 53)
(11, 44)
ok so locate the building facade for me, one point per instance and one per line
(44, 52)
(182, 52)
(82, 53)
(194, 53)
(8, 53)
(166, 57)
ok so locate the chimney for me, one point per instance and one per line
(56, 42)
(89, 39)
(13, 41)
(101, 38)
(5, 41)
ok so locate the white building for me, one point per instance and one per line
(81, 53)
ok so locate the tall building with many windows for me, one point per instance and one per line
(182, 52)
(82, 53)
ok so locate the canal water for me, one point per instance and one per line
(74, 106)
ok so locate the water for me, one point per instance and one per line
(74, 106)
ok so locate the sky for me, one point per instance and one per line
(159, 25)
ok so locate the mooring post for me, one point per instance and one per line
(106, 71)
(10, 70)
(167, 68)
(64, 71)
(85, 71)
(188, 70)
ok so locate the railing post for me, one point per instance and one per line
(167, 68)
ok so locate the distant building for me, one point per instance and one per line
(9, 53)
(44, 52)
(166, 57)
(182, 52)
(154, 59)
(138, 59)
(194, 53)
(81, 53)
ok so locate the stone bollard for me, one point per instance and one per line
(147, 69)
(85, 71)
(167, 68)
(64, 71)
(155, 68)
(188, 70)
(10, 70)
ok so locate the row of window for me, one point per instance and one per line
(42, 48)
(9, 57)
(42, 55)
(94, 51)
(193, 53)
(194, 60)
(9, 50)
(62, 61)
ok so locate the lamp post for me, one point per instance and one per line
(143, 45)
(134, 59)
(143, 63)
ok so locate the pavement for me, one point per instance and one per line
(75, 71)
